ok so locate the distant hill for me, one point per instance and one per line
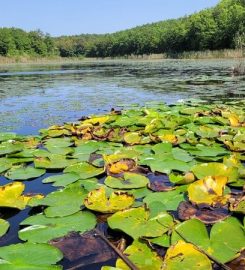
(220, 27)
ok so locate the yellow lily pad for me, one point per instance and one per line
(185, 256)
(209, 190)
(11, 196)
(97, 200)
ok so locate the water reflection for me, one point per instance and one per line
(33, 97)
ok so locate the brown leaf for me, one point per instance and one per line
(84, 249)
(207, 214)
(159, 182)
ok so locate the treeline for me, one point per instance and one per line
(221, 27)
(14, 42)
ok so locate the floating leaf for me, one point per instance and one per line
(44, 229)
(30, 256)
(24, 173)
(11, 196)
(5, 164)
(185, 256)
(97, 200)
(169, 199)
(10, 147)
(4, 226)
(5, 136)
(136, 222)
(53, 161)
(209, 190)
(222, 244)
(84, 170)
(132, 138)
(91, 249)
(58, 142)
(127, 181)
(215, 169)
(123, 165)
(62, 179)
(142, 256)
(63, 202)
(208, 215)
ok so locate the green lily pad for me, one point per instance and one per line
(185, 256)
(4, 226)
(142, 256)
(128, 181)
(161, 148)
(168, 165)
(215, 169)
(60, 150)
(97, 200)
(44, 229)
(84, 170)
(170, 199)
(63, 202)
(5, 164)
(222, 244)
(5, 136)
(62, 180)
(58, 142)
(136, 222)
(53, 162)
(30, 256)
(24, 173)
(10, 147)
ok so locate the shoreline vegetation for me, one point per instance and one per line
(211, 33)
(192, 55)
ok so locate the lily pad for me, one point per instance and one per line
(4, 226)
(11, 196)
(5, 164)
(5, 136)
(63, 202)
(44, 229)
(24, 173)
(142, 256)
(10, 147)
(84, 170)
(209, 190)
(136, 222)
(215, 169)
(62, 180)
(169, 199)
(222, 244)
(30, 256)
(58, 142)
(185, 256)
(97, 200)
(53, 162)
(127, 181)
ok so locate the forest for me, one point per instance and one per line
(220, 27)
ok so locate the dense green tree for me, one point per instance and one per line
(220, 27)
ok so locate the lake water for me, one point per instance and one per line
(34, 97)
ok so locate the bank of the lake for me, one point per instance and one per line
(207, 54)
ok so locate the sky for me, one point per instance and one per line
(69, 17)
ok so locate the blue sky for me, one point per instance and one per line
(66, 17)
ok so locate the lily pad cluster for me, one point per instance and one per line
(168, 179)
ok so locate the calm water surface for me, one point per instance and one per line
(34, 97)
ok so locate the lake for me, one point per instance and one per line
(37, 96)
